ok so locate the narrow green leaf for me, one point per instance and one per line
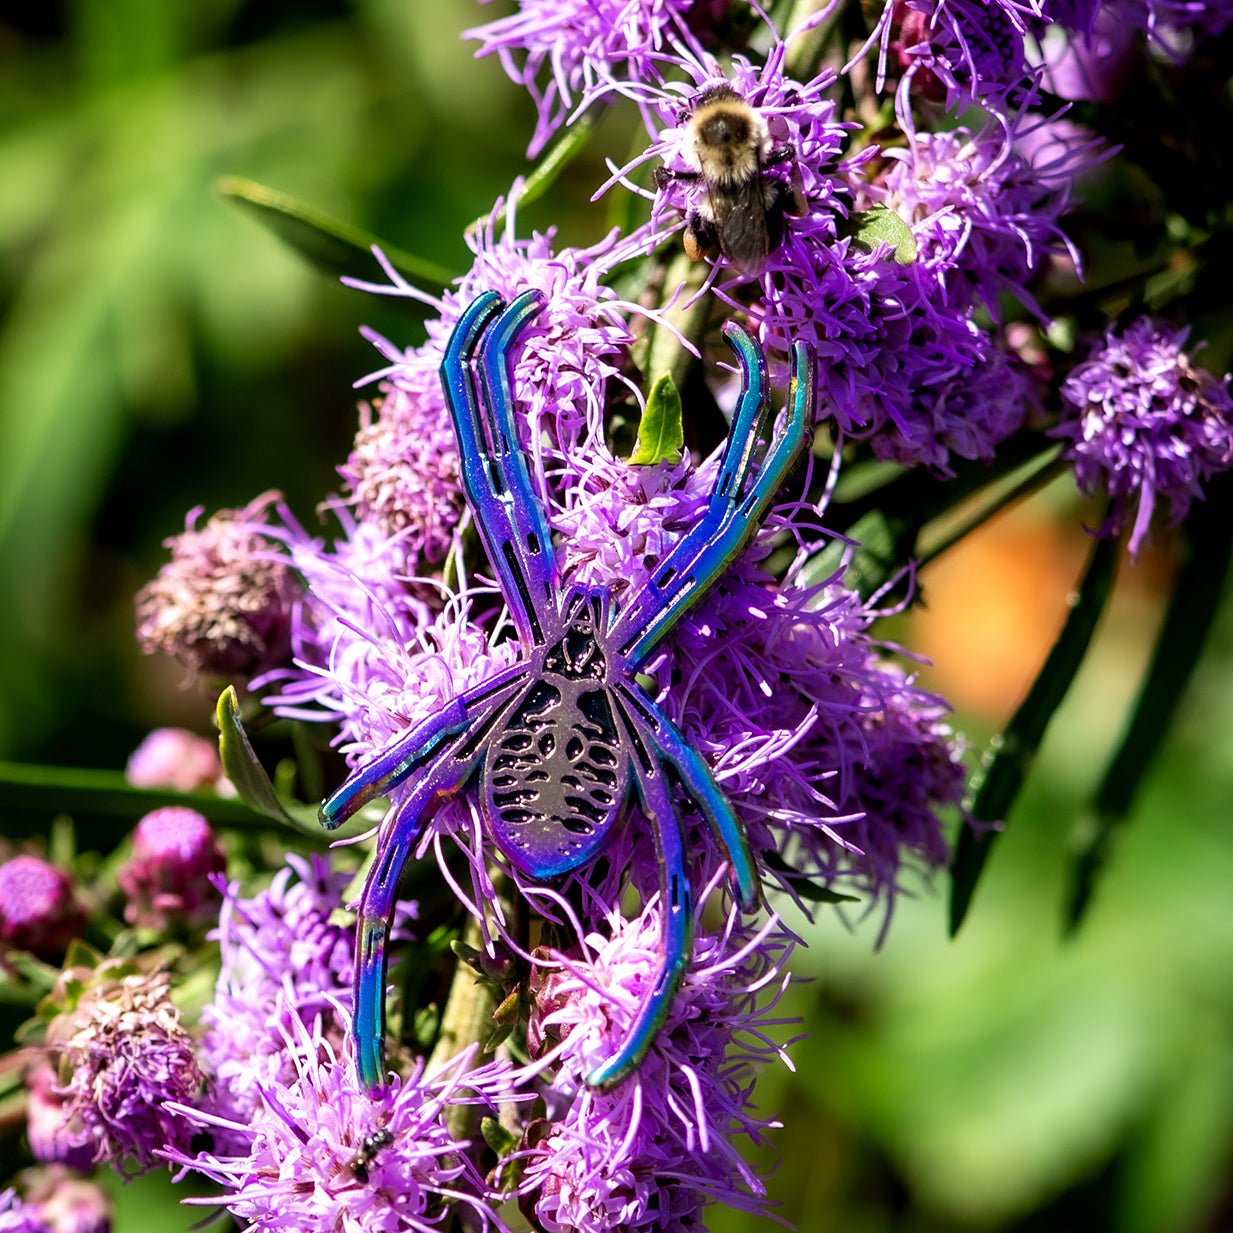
(563, 152)
(661, 434)
(880, 225)
(1191, 612)
(330, 244)
(1010, 754)
(811, 892)
(244, 769)
(34, 796)
(882, 548)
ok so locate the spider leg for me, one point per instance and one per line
(732, 515)
(377, 910)
(508, 516)
(532, 542)
(669, 747)
(455, 759)
(409, 753)
(677, 902)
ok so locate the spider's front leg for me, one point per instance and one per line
(737, 502)
(508, 514)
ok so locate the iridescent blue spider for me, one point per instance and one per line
(556, 741)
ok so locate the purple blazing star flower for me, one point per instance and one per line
(318, 1153)
(651, 1152)
(19, 1217)
(799, 162)
(985, 218)
(564, 358)
(169, 877)
(122, 1055)
(910, 768)
(284, 961)
(222, 604)
(585, 44)
(39, 911)
(413, 498)
(967, 51)
(1141, 421)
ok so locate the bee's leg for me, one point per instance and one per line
(677, 905)
(701, 237)
(735, 507)
(666, 175)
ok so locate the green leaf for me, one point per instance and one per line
(571, 143)
(661, 434)
(1191, 612)
(34, 796)
(811, 892)
(1010, 754)
(331, 245)
(872, 228)
(501, 1141)
(881, 550)
(246, 773)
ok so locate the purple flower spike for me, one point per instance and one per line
(38, 909)
(797, 139)
(650, 1154)
(284, 962)
(319, 1154)
(222, 604)
(122, 1054)
(169, 877)
(413, 498)
(1141, 421)
(584, 44)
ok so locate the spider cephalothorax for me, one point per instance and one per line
(560, 741)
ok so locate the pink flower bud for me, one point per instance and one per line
(167, 878)
(38, 910)
(174, 758)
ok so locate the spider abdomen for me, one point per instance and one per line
(555, 778)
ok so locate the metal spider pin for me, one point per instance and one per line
(559, 742)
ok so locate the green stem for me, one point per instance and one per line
(467, 1020)
(1191, 612)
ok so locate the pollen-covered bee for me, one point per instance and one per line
(728, 147)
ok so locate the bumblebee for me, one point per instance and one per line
(728, 147)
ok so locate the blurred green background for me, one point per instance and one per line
(160, 350)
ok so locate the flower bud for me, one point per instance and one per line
(53, 1136)
(38, 910)
(167, 878)
(175, 758)
(66, 1203)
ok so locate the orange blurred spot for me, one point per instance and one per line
(992, 609)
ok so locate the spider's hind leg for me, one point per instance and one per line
(677, 905)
